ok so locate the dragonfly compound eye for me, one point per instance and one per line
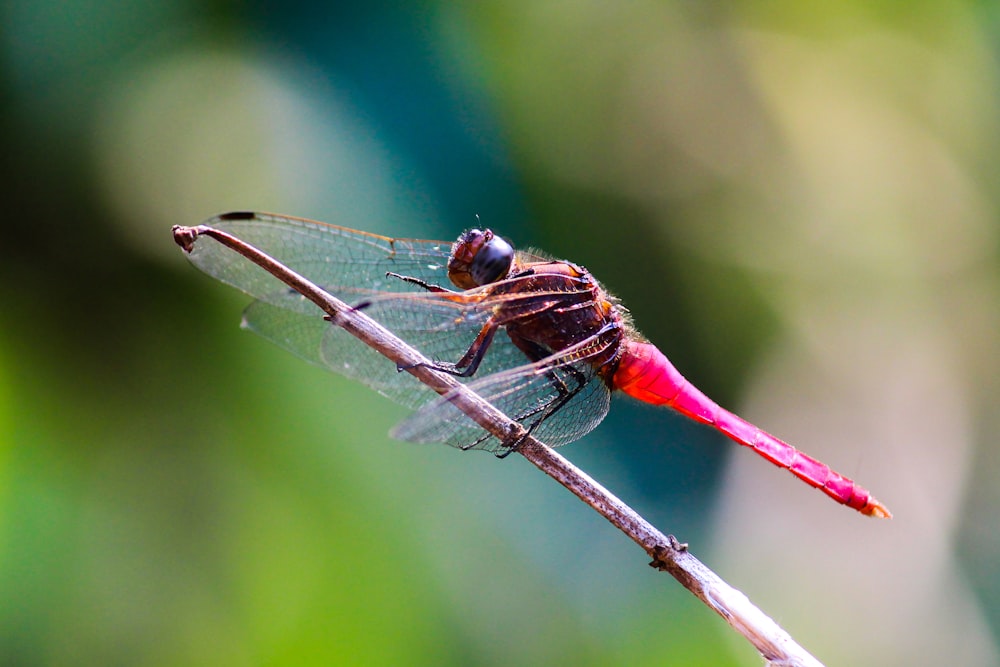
(492, 262)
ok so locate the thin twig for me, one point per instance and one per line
(669, 555)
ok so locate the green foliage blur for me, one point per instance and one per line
(797, 202)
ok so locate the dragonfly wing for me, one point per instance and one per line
(441, 327)
(311, 338)
(300, 334)
(442, 330)
(559, 400)
(347, 263)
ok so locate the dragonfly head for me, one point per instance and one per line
(479, 258)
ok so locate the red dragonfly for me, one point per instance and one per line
(566, 344)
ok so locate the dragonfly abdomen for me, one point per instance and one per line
(646, 374)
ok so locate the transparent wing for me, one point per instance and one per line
(559, 399)
(441, 326)
(308, 336)
(314, 339)
(347, 263)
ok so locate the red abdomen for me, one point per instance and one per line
(646, 374)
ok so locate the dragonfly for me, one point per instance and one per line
(539, 338)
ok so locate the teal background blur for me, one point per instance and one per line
(797, 202)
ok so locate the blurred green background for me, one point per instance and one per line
(797, 202)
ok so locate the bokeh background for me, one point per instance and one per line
(798, 202)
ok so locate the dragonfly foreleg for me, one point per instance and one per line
(470, 361)
(430, 287)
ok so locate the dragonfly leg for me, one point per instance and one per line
(565, 394)
(473, 357)
(508, 444)
(513, 441)
(543, 412)
(430, 287)
(507, 451)
(539, 413)
(470, 361)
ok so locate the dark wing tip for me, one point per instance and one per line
(237, 215)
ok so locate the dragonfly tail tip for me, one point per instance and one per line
(876, 509)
